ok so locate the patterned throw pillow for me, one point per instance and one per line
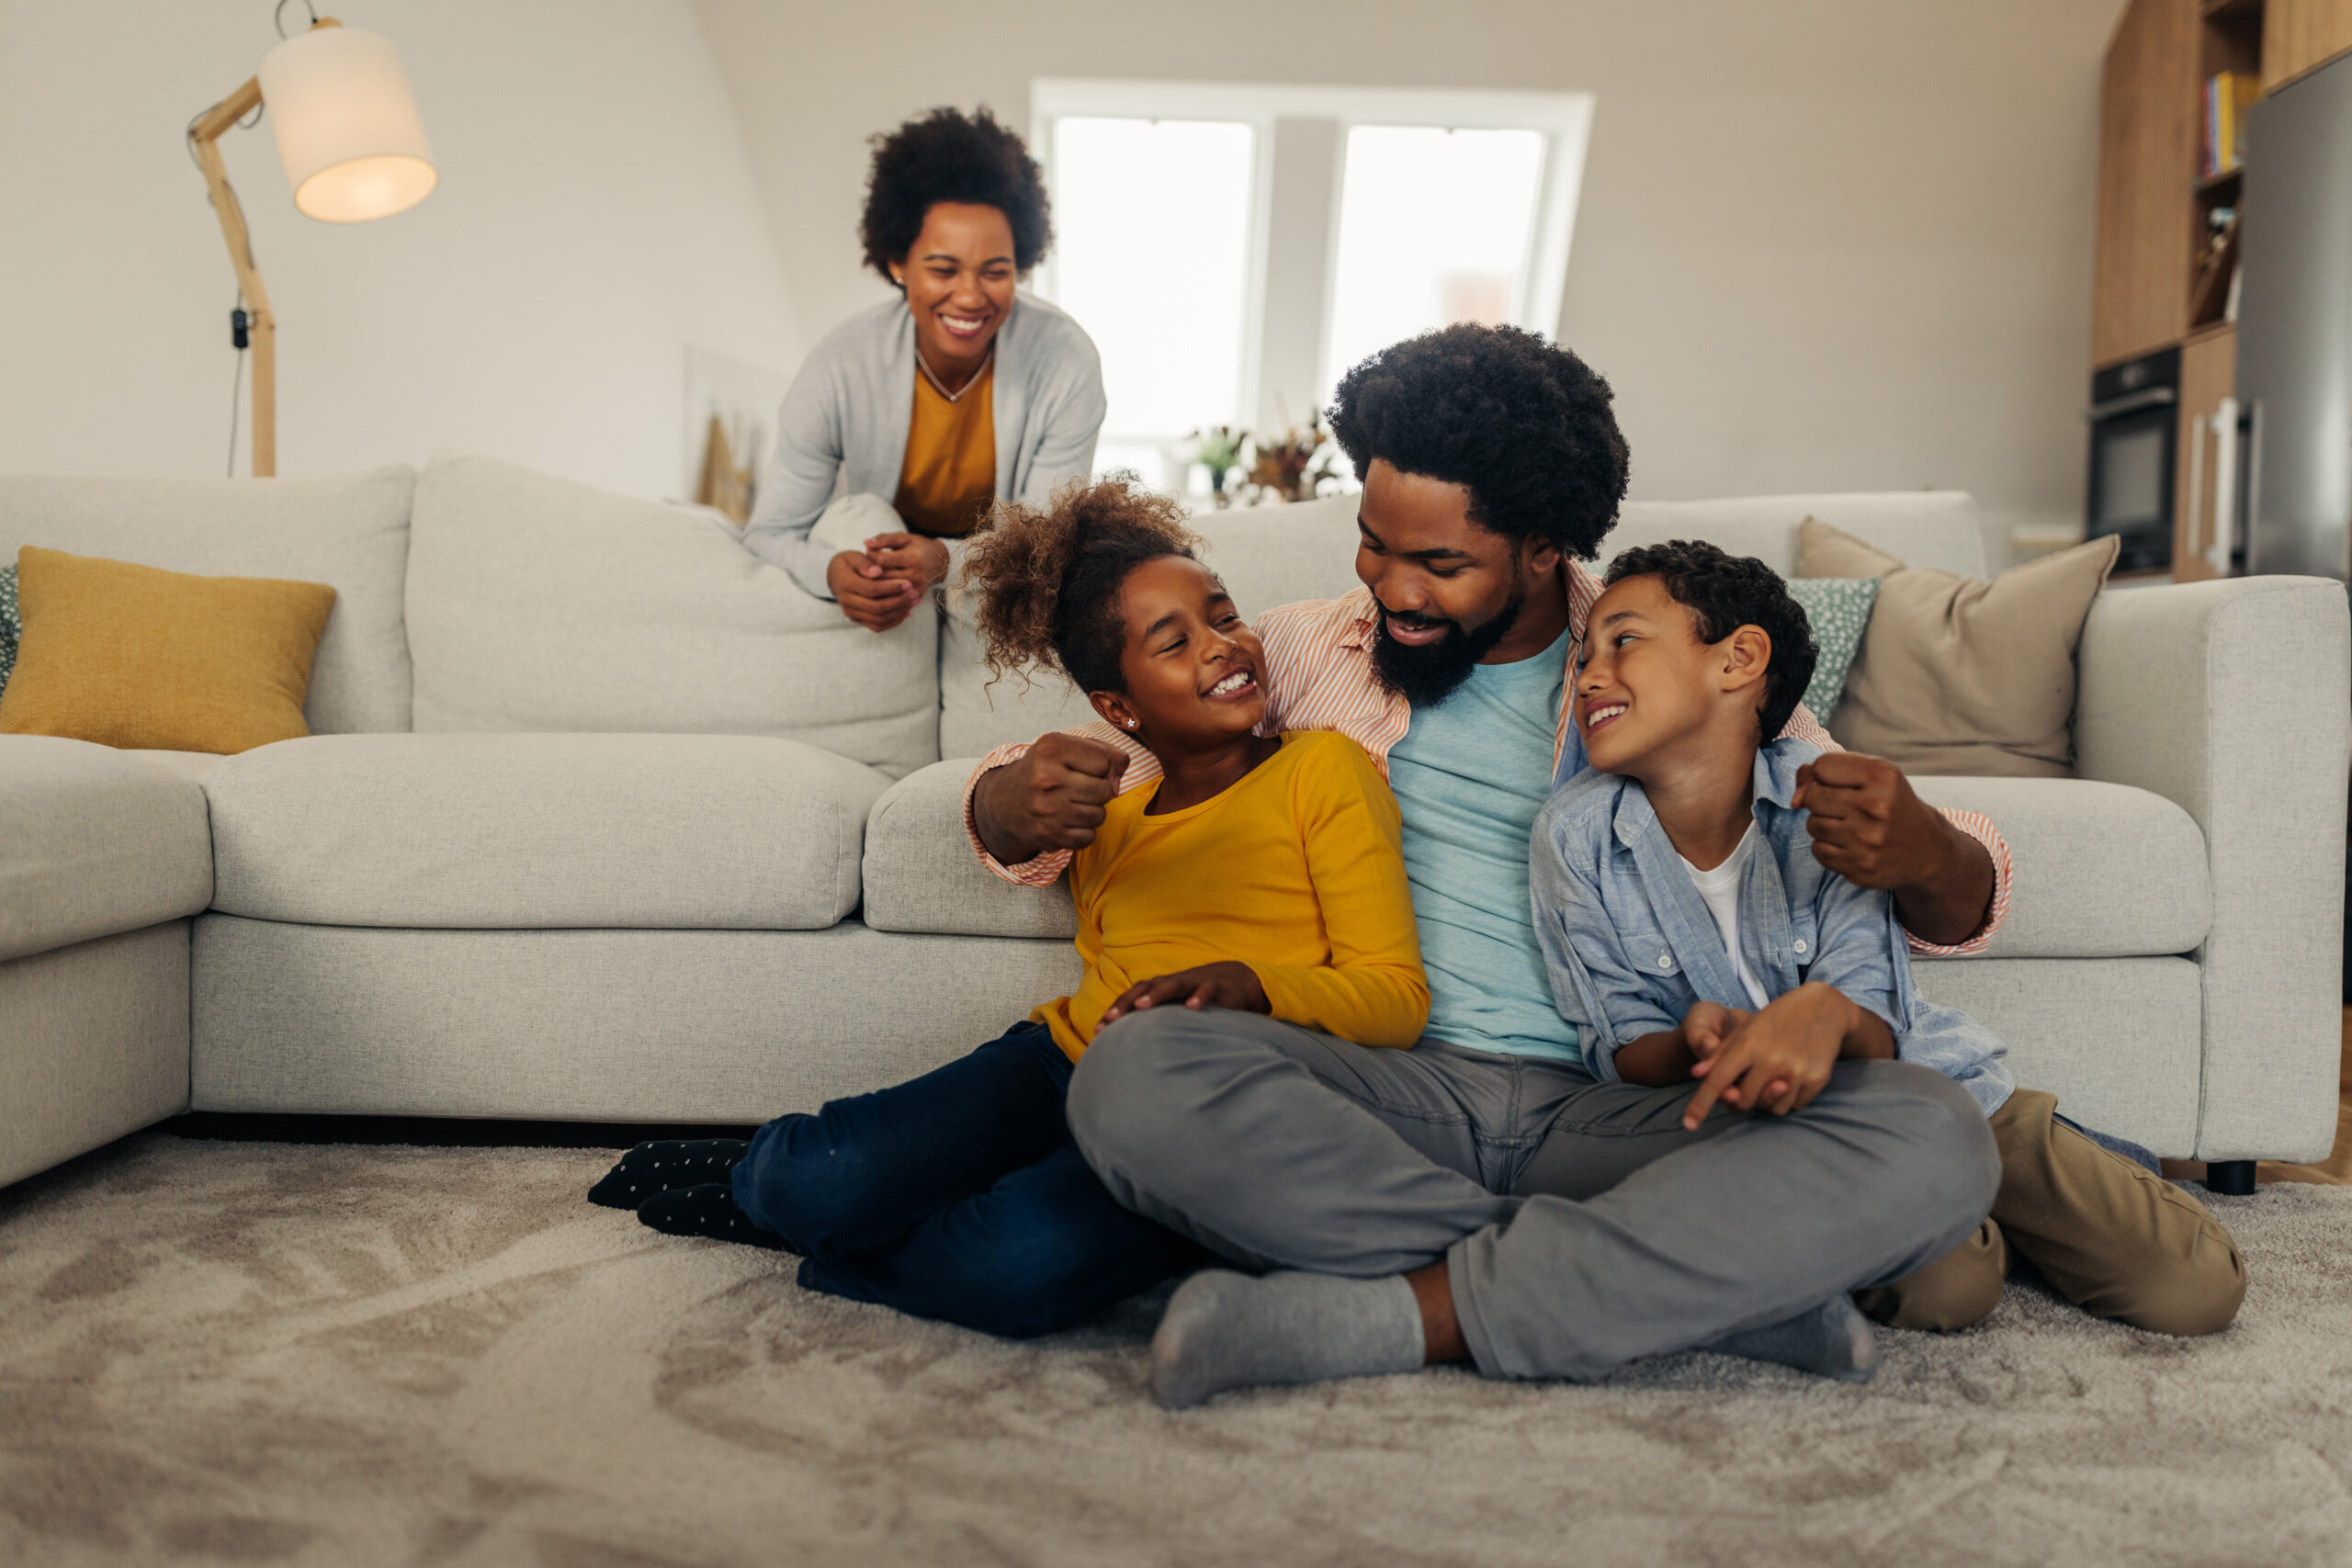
(1839, 609)
(11, 624)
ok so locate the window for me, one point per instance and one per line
(1114, 182)
(1234, 248)
(1462, 256)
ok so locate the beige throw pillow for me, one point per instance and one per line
(1957, 674)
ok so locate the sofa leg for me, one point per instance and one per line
(2233, 1176)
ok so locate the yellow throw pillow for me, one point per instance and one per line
(136, 657)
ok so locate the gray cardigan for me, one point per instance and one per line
(843, 428)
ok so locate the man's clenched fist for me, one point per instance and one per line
(1050, 799)
(1868, 825)
(1871, 827)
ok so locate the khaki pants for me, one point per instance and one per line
(2114, 1238)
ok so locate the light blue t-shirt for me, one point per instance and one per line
(1470, 776)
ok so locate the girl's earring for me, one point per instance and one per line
(1131, 724)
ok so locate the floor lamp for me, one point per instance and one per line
(354, 149)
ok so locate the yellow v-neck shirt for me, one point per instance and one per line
(1295, 870)
(948, 480)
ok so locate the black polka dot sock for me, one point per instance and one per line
(705, 1210)
(656, 1167)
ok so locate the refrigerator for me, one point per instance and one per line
(2294, 373)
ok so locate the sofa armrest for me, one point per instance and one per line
(922, 875)
(2233, 700)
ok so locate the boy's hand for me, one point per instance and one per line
(1705, 1027)
(1227, 985)
(1778, 1059)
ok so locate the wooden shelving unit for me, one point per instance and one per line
(2299, 35)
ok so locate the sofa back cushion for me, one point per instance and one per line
(349, 532)
(1923, 527)
(1278, 554)
(540, 604)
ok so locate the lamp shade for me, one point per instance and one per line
(346, 126)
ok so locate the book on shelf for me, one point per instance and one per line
(2227, 98)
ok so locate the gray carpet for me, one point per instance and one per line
(266, 1353)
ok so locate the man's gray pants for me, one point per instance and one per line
(1581, 1224)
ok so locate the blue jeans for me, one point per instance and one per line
(957, 1195)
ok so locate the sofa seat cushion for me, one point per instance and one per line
(2100, 870)
(96, 841)
(485, 831)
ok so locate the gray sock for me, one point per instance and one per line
(1833, 1340)
(1225, 1330)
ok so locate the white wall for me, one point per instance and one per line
(1824, 244)
(596, 214)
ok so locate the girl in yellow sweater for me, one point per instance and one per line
(1263, 873)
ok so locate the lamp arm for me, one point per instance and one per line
(205, 137)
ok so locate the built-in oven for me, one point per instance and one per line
(2135, 424)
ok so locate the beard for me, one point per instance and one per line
(1425, 676)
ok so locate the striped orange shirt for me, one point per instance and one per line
(1319, 676)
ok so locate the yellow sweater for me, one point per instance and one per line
(948, 480)
(1295, 870)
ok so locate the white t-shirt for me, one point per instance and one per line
(1720, 889)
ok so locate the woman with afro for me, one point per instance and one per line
(925, 410)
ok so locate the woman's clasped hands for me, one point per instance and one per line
(879, 586)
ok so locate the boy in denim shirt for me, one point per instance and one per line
(1690, 933)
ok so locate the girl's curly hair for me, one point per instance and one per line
(948, 155)
(1048, 579)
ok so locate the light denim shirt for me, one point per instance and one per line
(1631, 947)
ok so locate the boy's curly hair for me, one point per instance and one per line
(948, 155)
(1048, 578)
(1725, 593)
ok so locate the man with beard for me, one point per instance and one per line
(1481, 1196)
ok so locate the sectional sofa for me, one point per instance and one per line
(603, 818)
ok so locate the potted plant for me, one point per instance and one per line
(1218, 449)
(1292, 466)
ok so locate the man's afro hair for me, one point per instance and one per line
(1523, 423)
(948, 155)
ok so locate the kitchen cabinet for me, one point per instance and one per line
(2299, 34)
(2150, 112)
(2208, 372)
